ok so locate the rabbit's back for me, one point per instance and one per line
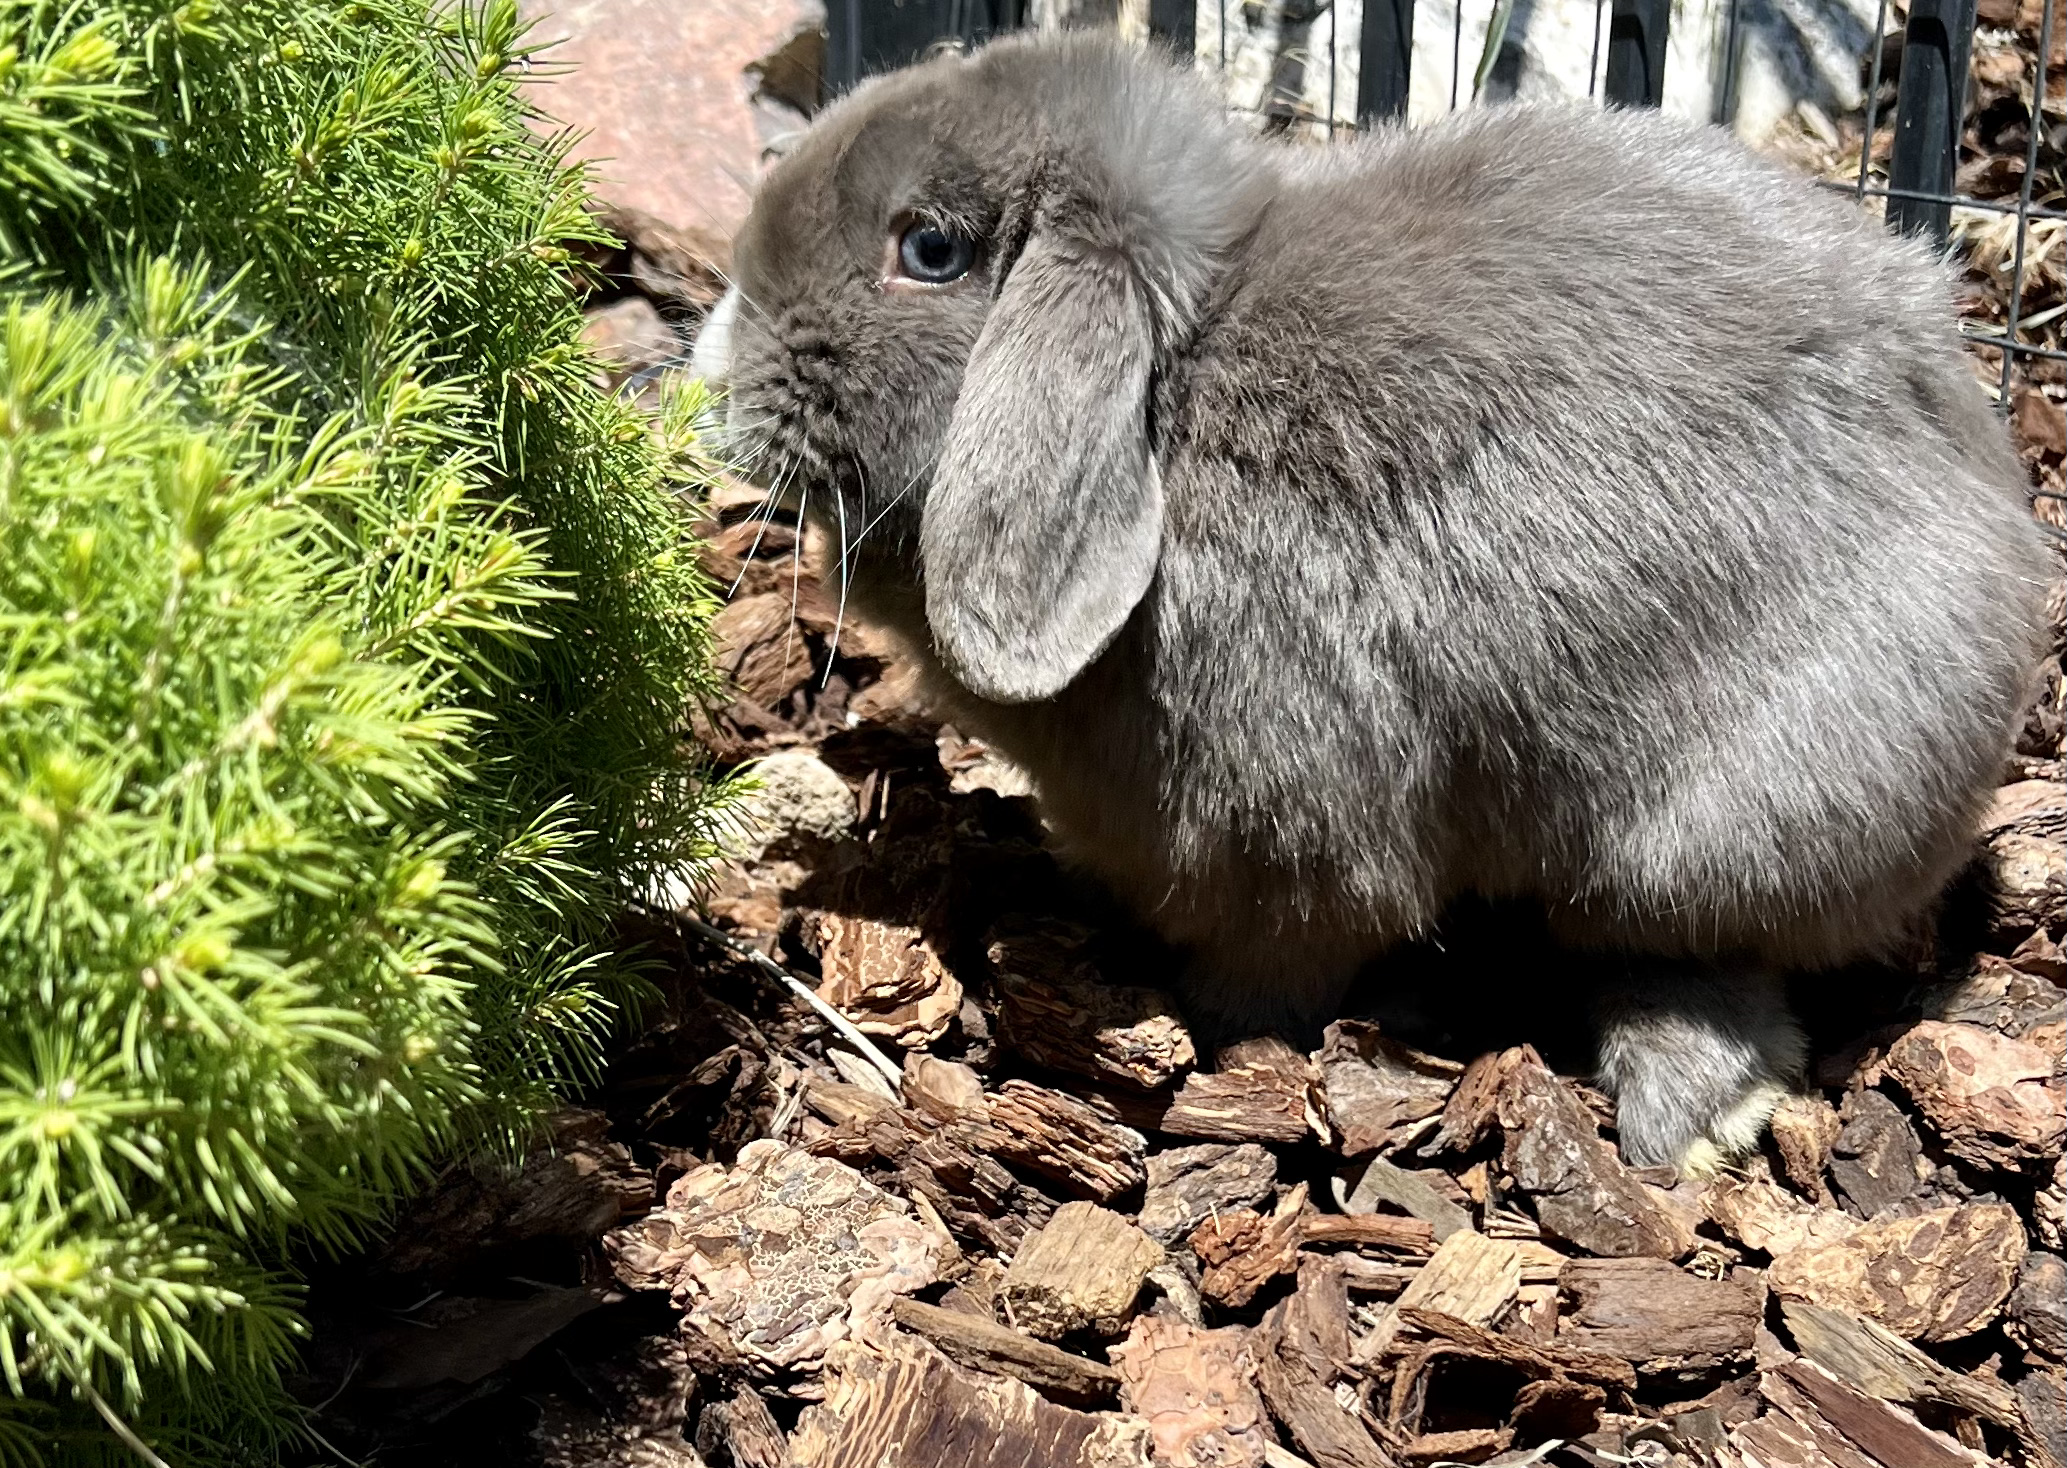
(1545, 504)
(1565, 503)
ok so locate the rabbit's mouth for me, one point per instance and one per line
(773, 430)
(784, 430)
(774, 452)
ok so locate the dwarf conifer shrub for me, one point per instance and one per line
(346, 635)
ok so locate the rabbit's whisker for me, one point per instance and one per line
(909, 485)
(796, 576)
(732, 284)
(711, 217)
(766, 514)
(840, 616)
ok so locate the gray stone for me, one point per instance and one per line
(801, 799)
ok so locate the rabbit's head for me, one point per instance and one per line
(951, 304)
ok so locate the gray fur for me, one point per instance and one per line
(1556, 504)
(1697, 1055)
(1070, 520)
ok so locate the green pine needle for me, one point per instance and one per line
(347, 632)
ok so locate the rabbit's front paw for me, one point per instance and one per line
(1696, 1062)
(1729, 1137)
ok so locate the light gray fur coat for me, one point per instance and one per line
(1553, 504)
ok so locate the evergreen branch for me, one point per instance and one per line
(346, 639)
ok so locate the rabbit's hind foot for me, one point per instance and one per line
(1696, 1057)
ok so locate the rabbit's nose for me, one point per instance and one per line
(711, 356)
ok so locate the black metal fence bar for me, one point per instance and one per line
(864, 37)
(842, 46)
(1175, 23)
(1726, 104)
(1931, 107)
(1384, 53)
(1637, 32)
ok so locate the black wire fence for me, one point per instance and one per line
(1916, 171)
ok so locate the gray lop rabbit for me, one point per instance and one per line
(1549, 504)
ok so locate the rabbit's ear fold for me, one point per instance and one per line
(1045, 518)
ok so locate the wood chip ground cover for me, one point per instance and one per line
(1059, 1242)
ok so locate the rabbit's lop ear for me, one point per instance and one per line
(1045, 518)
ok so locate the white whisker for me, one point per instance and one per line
(840, 616)
(766, 512)
(733, 285)
(796, 576)
(909, 484)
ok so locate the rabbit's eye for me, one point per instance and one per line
(931, 255)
